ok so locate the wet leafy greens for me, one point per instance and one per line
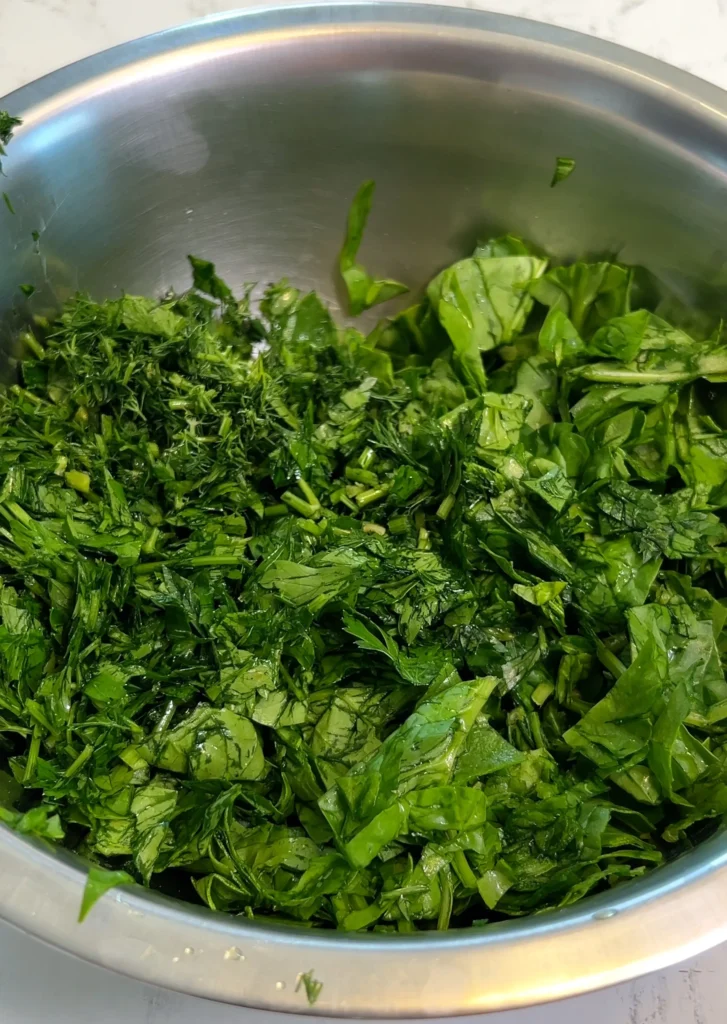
(393, 631)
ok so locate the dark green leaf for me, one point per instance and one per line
(206, 280)
(564, 167)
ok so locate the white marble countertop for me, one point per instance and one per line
(39, 984)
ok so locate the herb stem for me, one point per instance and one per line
(32, 756)
(79, 762)
(368, 497)
(273, 511)
(303, 508)
(446, 506)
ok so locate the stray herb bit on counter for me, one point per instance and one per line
(312, 987)
(564, 167)
(393, 631)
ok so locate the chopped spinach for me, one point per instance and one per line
(393, 631)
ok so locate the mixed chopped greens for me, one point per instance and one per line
(407, 630)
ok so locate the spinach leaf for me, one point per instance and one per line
(98, 883)
(363, 290)
(481, 303)
(206, 280)
(590, 294)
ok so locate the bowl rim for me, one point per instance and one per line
(672, 913)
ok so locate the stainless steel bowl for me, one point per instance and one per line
(242, 139)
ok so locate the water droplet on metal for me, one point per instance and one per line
(233, 953)
(280, 985)
(188, 950)
(175, 959)
(603, 915)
